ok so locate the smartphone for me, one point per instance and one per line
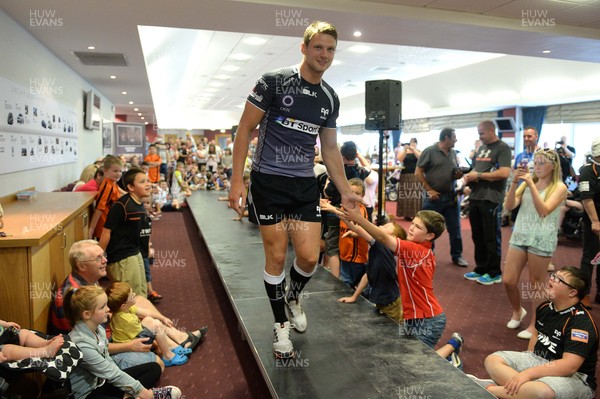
(524, 164)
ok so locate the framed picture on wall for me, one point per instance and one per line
(129, 135)
(130, 138)
(107, 134)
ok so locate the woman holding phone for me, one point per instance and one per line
(540, 195)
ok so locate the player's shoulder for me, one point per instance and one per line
(328, 88)
(282, 75)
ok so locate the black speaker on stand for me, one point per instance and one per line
(383, 104)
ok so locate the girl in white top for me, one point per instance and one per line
(533, 241)
(97, 376)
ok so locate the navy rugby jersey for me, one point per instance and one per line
(295, 111)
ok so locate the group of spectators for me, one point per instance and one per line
(392, 267)
(537, 190)
(107, 304)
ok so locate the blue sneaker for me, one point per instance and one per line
(472, 276)
(487, 280)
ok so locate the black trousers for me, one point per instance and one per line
(147, 373)
(487, 238)
(591, 246)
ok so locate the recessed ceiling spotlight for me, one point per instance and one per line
(240, 56)
(91, 48)
(142, 118)
(136, 109)
(139, 114)
(145, 123)
(547, 51)
(382, 69)
(357, 33)
(359, 48)
(130, 102)
(222, 77)
(123, 92)
(113, 76)
(230, 68)
(254, 40)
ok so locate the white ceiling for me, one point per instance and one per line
(186, 60)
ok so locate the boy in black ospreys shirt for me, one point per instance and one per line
(121, 234)
(562, 354)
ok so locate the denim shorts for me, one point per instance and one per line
(574, 386)
(532, 250)
(125, 360)
(429, 330)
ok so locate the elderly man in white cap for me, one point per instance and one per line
(589, 186)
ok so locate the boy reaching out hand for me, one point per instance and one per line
(424, 317)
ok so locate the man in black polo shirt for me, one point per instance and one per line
(488, 183)
(560, 361)
(437, 169)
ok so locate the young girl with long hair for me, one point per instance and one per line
(540, 195)
(97, 376)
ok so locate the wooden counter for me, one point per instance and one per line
(34, 254)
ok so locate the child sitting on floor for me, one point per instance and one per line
(125, 325)
(381, 273)
(18, 344)
(162, 199)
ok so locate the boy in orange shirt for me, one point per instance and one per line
(154, 162)
(108, 193)
(354, 250)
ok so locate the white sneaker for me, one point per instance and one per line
(282, 345)
(296, 314)
(168, 392)
(484, 383)
(514, 324)
(524, 334)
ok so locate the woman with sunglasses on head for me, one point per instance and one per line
(540, 195)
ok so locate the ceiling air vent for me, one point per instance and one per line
(101, 59)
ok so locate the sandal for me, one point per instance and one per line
(176, 360)
(154, 297)
(180, 350)
(194, 340)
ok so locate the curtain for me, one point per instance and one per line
(395, 138)
(534, 116)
